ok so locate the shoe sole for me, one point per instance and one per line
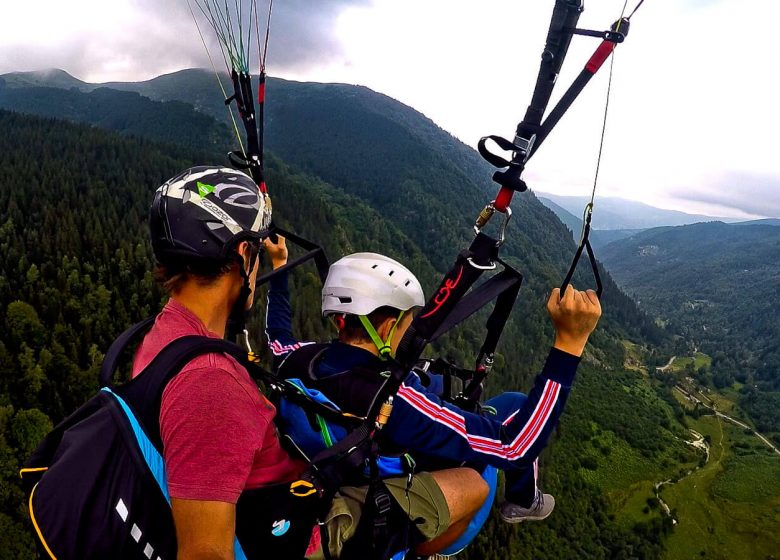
(516, 520)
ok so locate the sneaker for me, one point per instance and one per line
(540, 509)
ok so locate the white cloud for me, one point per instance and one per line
(693, 92)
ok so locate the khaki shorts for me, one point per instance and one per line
(424, 503)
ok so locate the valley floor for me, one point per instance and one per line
(727, 508)
(723, 494)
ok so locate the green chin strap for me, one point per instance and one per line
(385, 351)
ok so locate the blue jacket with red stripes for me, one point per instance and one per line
(422, 422)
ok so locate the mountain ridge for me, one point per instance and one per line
(612, 213)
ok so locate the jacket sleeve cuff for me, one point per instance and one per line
(278, 282)
(561, 367)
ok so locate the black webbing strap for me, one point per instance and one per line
(584, 244)
(617, 34)
(505, 301)
(313, 252)
(332, 466)
(502, 287)
(242, 95)
(111, 360)
(469, 266)
(490, 157)
(453, 303)
(564, 18)
(378, 503)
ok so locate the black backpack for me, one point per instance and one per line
(97, 488)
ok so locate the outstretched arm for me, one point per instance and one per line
(278, 317)
(422, 421)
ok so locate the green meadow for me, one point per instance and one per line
(724, 508)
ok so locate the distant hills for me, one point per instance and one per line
(719, 286)
(598, 237)
(620, 214)
(616, 218)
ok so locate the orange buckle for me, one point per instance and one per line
(302, 488)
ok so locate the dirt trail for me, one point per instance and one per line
(668, 365)
(699, 443)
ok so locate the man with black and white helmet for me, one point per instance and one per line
(219, 442)
(369, 297)
(202, 220)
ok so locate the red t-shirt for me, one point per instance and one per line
(217, 428)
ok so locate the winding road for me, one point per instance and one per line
(667, 366)
(696, 400)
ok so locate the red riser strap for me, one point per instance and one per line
(261, 92)
(600, 56)
(503, 199)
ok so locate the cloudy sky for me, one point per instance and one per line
(693, 118)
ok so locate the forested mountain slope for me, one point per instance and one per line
(718, 285)
(125, 112)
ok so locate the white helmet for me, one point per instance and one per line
(363, 282)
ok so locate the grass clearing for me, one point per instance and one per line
(751, 478)
(701, 360)
(622, 467)
(628, 477)
(716, 506)
(634, 360)
(698, 360)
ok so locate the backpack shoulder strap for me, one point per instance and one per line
(144, 392)
(119, 345)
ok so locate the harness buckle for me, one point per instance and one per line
(524, 146)
(383, 502)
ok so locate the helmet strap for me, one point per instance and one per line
(237, 319)
(385, 350)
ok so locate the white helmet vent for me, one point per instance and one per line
(361, 283)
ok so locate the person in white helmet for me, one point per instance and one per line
(371, 299)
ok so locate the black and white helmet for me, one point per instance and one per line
(363, 282)
(205, 211)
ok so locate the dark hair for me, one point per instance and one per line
(354, 331)
(174, 273)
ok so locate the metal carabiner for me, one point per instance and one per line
(484, 217)
(502, 229)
